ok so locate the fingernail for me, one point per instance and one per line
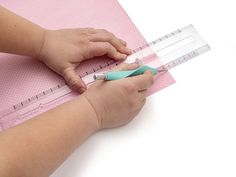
(123, 56)
(149, 72)
(82, 90)
(123, 42)
(129, 51)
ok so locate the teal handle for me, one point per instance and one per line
(115, 75)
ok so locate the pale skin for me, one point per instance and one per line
(38, 146)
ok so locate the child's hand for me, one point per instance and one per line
(63, 50)
(118, 102)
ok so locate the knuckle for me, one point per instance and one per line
(90, 29)
(103, 30)
(118, 44)
(107, 32)
(130, 88)
(107, 46)
(108, 38)
(83, 34)
(111, 34)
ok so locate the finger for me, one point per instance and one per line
(87, 30)
(126, 66)
(104, 48)
(94, 31)
(143, 81)
(108, 33)
(73, 80)
(123, 42)
(115, 42)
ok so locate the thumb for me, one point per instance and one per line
(73, 80)
(143, 81)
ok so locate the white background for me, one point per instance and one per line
(187, 129)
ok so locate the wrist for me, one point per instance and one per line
(40, 44)
(92, 121)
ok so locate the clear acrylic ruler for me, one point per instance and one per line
(172, 49)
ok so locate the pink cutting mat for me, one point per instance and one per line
(23, 77)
